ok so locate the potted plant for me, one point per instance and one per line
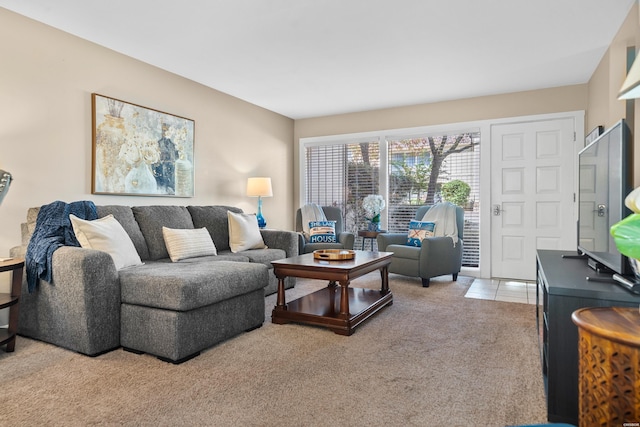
(626, 233)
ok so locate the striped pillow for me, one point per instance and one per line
(188, 243)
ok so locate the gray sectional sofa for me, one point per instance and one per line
(172, 310)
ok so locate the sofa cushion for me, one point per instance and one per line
(107, 235)
(214, 218)
(244, 233)
(187, 243)
(151, 219)
(404, 251)
(125, 217)
(263, 256)
(190, 285)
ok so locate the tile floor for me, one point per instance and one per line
(503, 290)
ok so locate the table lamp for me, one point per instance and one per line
(259, 187)
(631, 87)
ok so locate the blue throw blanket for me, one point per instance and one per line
(53, 229)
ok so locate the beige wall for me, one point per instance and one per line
(604, 107)
(46, 81)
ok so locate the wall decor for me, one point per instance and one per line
(593, 135)
(140, 151)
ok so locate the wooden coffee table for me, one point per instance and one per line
(338, 306)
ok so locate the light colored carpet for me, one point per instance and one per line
(433, 358)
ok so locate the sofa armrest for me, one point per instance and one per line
(386, 239)
(440, 256)
(280, 239)
(81, 309)
(18, 251)
(347, 239)
(301, 243)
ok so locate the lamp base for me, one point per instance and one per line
(262, 223)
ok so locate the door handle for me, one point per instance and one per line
(496, 210)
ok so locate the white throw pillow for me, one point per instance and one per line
(106, 234)
(188, 243)
(244, 232)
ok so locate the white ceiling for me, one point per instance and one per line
(308, 58)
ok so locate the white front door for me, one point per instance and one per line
(532, 194)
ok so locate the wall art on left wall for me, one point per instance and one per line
(140, 151)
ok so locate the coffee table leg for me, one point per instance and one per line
(384, 274)
(344, 300)
(281, 303)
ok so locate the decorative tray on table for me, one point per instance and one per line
(334, 254)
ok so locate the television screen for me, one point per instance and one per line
(604, 182)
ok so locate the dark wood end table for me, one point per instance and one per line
(371, 235)
(11, 300)
(338, 306)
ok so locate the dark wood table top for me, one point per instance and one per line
(308, 262)
(11, 264)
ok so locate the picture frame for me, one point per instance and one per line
(595, 133)
(139, 151)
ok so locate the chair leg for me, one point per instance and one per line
(425, 283)
(455, 277)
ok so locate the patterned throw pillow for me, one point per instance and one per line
(322, 232)
(418, 230)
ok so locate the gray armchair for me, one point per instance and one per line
(345, 239)
(436, 257)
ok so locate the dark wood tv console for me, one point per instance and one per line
(563, 288)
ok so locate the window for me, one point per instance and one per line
(342, 175)
(420, 172)
(417, 171)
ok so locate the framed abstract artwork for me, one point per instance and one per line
(140, 151)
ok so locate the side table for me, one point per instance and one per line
(609, 365)
(11, 300)
(371, 235)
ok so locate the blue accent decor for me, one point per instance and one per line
(418, 230)
(53, 229)
(322, 232)
(374, 226)
(262, 223)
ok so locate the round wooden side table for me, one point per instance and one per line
(371, 235)
(11, 300)
(609, 365)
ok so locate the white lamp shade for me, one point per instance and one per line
(259, 186)
(631, 87)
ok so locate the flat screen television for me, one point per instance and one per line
(604, 182)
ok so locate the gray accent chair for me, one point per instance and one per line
(345, 239)
(436, 257)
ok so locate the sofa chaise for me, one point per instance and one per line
(172, 310)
